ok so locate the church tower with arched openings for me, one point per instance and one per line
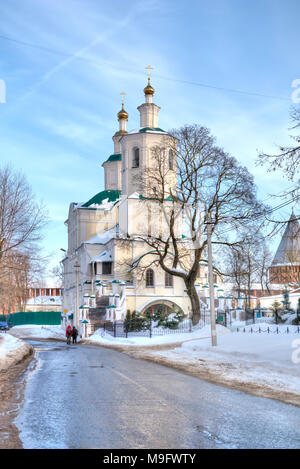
(137, 147)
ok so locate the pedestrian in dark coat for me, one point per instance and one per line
(74, 335)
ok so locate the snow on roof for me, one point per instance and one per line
(104, 256)
(105, 205)
(134, 195)
(102, 238)
(102, 199)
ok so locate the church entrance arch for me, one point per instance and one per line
(165, 306)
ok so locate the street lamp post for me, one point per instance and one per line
(76, 319)
(211, 285)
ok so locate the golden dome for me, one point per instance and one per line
(149, 89)
(122, 114)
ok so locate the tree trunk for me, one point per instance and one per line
(195, 302)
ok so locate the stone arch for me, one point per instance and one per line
(162, 301)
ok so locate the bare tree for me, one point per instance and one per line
(203, 184)
(288, 157)
(247, 263)
(58, 273)
(21, 222)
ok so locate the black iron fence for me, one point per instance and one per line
(270, 330)
(142, 328)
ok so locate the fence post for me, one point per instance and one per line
(115, 330)
(150, 328)
(253, 316)
(190, 325)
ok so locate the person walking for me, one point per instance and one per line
(74, 335)
(69, 333)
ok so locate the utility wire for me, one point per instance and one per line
(187, 82)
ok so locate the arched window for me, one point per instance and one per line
(149, 278)
(168, 280)
(136, 158)
(171, 160)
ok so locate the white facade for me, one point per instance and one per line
(100, 231)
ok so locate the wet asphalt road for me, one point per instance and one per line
(91, 397)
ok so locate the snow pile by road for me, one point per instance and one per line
(261, 363)
(104, 338)
(27, 331)
(12, 350)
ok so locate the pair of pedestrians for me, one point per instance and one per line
(71, 333)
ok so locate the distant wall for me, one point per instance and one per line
(50, 318)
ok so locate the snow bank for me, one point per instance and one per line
(259, 363)
(12, 350)
(262, 364)
(27, 331)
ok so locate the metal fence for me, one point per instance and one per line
(270, 330)
(136, 328)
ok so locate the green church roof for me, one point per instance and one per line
(151, 129)
(114, 157)
(111, 195)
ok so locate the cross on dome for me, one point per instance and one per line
(122, 114)
(149, 90)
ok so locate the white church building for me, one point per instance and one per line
(102, 234)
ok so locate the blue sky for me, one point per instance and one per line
(61, 103)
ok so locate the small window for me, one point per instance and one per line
(149, 278)
(136, 158)
(171, 160)
(106, 268)
(168, 280)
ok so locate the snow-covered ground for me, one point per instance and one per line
(12, 350)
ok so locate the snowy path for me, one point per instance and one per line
(94, 397)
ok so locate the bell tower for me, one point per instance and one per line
(148, 110)
(139, 146)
